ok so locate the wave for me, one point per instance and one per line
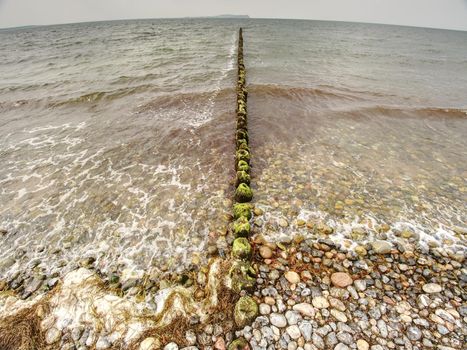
(322, 91)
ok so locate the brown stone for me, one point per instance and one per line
(265, 252)
(341, 279)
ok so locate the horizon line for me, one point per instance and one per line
(227, 18)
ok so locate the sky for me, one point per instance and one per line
(448, 14)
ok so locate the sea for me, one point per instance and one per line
(117, 139)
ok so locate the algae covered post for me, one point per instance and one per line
(243, 279)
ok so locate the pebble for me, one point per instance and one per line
(102, 343)
(292, 277)
(320, 302)
(52, 336)
(278, 320)
(305, 309)
(362, 344)
(294, 332)
(171, 346)
(149, 344)
(338, 315)
(413, 333)
(381, 247)
(265, 252)
(341, 279)
(431, 288)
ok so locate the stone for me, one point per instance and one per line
(245, 311)
(306, 328)
(292, 277)
(381, 247)
(292, 317)
(171, 346)
(360, 285)
(305, 309)
(264, 309)
(338, 315)
(431, 288)
(294, 332)
(362, 344)
(219, 344)
(241, 248)
(317, 341)
(265, 252)
(283, 223)
(341, 346)
(341, 279)
(278, 320)
(239, 344)
(414, 333)
(320, 302)
(52, 336)
(102, 343)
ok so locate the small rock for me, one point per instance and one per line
(432, 288)
(264, 309)
(292, 277)
(381, 247)
(278, 320)
(171, 346)
(414, 334)
(294, 332)
(219, 344)
(320, 302)
(362, 344)
(149, 344)
(265, 252)
(338, 315)
(341, 279)
(305, 309)
(102, 343)
(52, 336)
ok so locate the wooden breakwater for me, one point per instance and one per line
(243, 275)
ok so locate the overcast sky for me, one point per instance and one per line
(451, 14)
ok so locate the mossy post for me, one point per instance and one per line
(242, 273)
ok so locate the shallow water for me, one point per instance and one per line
(116, 137)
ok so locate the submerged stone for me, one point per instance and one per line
(243, 193)
(241, 248)
(241, 227)
(242, 209)
(239, 344)
(245, 311)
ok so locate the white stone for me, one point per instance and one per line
(305, 309)
(52, 336)
(294, 332)
(432, 288)
(148, 344)
(320, 302)
(340, 316)
(278, 320)
(362, 344)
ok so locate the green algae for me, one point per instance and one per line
(243, 193)
(242, 210)
(241, 249)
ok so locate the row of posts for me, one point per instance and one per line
(242, 273)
